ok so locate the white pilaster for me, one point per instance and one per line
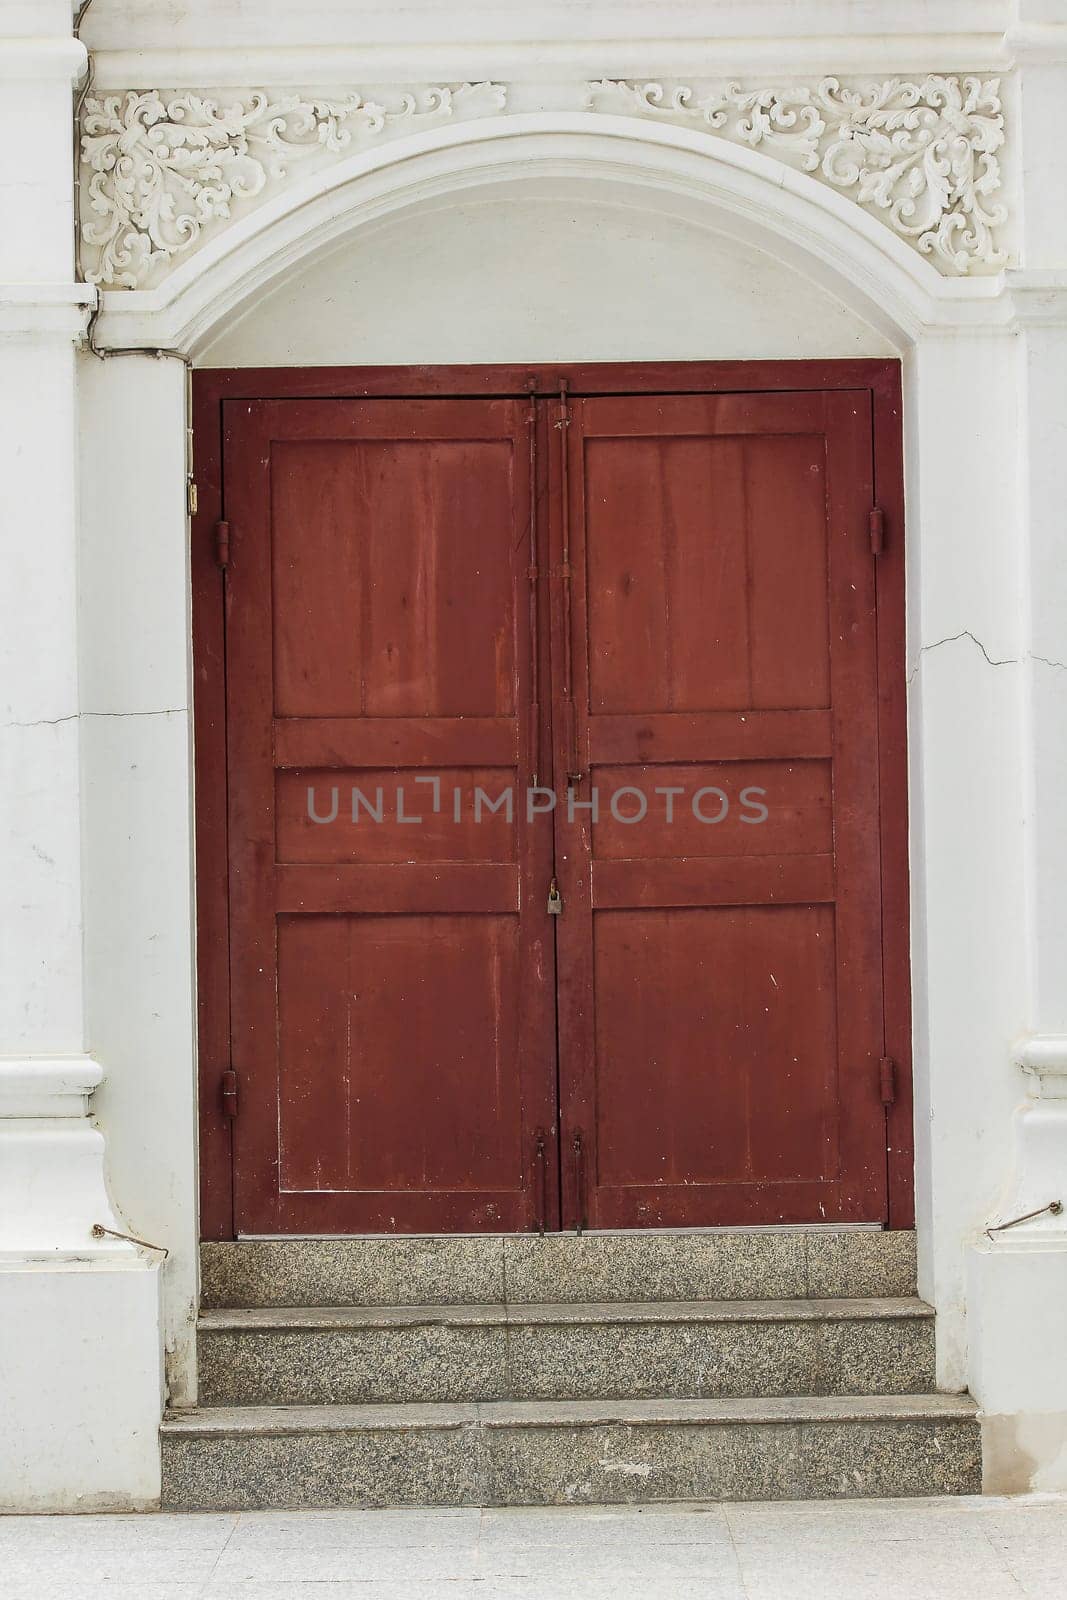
(80, 1388)
(1017, 1275)
(965, 674)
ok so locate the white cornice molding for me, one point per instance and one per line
(549, 61)
(47, 1086)
(165, 171)
(1039, 300)
(1044, 1057)
(1036, 43)
(40, 60)
(59, 310)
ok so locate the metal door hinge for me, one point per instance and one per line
(229, 1093)
(579, 1184)
(541, 1161)
(876, 523)
(222, 544)
(191, 496)
(887, 1078)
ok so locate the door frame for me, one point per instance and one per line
(881, 379)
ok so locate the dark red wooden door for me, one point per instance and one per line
(720, 948)
(660, 607)
(392, 984)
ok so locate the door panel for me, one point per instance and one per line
(696, 1009)
(796, 795)
(711, 609)
(362, 1049)
(662, 606)
(392, 984)
(719, 970)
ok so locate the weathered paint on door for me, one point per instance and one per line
(720, 960)
(392, 980)
(661, 604)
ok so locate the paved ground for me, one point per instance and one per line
(853, 1550)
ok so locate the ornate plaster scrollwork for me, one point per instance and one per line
(160, 168)
(920, 155)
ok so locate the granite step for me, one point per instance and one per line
(567, 1453)
(653, 1350)
(493, 1269)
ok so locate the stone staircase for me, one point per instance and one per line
(516, 1370)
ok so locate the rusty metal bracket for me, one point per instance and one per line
(1053, 1208)
(100, 1232)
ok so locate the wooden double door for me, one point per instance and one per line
(553, 810)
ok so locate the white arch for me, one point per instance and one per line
(743, 192)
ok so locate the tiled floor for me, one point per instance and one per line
(976, 1549)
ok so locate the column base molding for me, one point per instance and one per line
(81, 1379)
(1017, 1333)
(52, 1186)
(1040, 1167)
(1017, 1291)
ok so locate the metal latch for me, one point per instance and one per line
(555, 900)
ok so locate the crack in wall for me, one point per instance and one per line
(72, 716)
(1006, 661)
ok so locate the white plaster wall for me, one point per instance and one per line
(40, 949)
(82, 1386)
(965, 760)
(137, 810)
(1043, 441)
(534, 277)
(538, 278)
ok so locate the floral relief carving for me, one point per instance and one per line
(921, 155)
(159, 169)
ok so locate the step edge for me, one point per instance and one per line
(592, 1313)
(761, 1229)
(260, 1421)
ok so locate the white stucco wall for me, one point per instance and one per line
(559, 269)
(531, 276)
(555, 236)
(535, 278)
(133, 589)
